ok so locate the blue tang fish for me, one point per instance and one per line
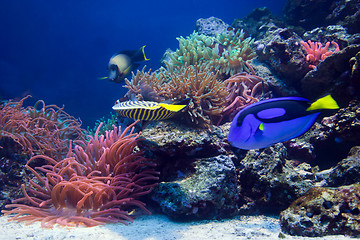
(267, 122)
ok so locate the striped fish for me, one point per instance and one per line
(146, 110)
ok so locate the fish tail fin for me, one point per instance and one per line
(140, 55)
(143, 52)
(101, 78)
(172, 107)
(326, 102)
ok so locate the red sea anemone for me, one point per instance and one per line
(96, 183)
(39, 129)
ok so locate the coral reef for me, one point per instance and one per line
(221, 70)
(12, 173)
(268, 179)
(96, 183)
(258, 22)
(201, 86)
(324, 211)
(278, 47)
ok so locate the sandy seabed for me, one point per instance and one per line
(156, 227)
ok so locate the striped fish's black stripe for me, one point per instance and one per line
(147, 114)
(134, 114)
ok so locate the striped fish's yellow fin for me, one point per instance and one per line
(143, 52)
(326, 102)
(172, 107)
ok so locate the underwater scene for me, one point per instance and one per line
(187, 120)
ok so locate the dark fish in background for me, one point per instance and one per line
(267, 122)
(149, 111)
(121, 64)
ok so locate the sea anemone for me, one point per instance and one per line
(96, 183)
(146, 85)
(201, 85)
(46, 130)
(244, 89)
(227, 53)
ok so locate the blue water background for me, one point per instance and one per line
(57, 50)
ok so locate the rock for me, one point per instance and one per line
(331, 76)
(12, 170)
(330, 140)
(173, 139)
(209, 192)
(276, 84)
(280, 57)
(198, 177)
(300, 149)
(311, 14)
(347, 170)
(347, 14)
(211, 26)
(258, 22)
(271, 181)
(324, 211)
(355, 71)
(336, 33)
(343, 126)
(307, 14)
(280, 49)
